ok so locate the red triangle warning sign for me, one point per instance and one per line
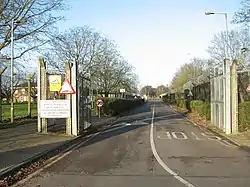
(248, 88)
(67, 88)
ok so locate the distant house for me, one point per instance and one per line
(21, 92)
(162, 95)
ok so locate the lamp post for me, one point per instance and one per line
(12, 70)
(226, 22)
(226, 79)
(13, 22)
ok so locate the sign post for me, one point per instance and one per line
(99, 104)
(122, 91)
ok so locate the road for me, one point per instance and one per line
(163, 149)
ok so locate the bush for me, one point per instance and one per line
(203, 108)
(244, 117)
(180, 103)
(116, 106)
(168, 100)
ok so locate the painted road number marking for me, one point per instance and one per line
(183, 136)
(203, 136)
(179, 135)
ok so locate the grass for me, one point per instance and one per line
(20, 110)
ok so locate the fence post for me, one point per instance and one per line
(41, 93)
(68, 97)
(227, 104)
(212, 86)
(234, 97)
(74, 99)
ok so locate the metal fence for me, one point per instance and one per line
(84, 103)
(217, 99)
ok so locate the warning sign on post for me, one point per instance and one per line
(55, 83)
(54, 108)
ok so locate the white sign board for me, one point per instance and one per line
(122, 90)
(54, 108)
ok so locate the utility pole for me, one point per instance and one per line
(12, 71)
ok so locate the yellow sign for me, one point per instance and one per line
(55, 83)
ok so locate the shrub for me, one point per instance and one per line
(168, 100)
(203, 108)
(116, 106)
(244, 117)
(180, 103)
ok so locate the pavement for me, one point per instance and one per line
(159, 148)
(21, 142)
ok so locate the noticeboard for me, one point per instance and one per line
(55, 108)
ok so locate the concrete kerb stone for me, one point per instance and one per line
(221, 135)
(54, 151)
(226, 137)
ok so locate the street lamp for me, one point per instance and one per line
(13, 22)
(226, 79)
(226, 20)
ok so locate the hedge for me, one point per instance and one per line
(244, 117)
(203, 108)
(116, 106)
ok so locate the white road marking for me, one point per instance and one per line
(184, 136)
(228, 144)
(222, 142)
(159, 160)
(167, 136)
(211, 136)
(196, 137)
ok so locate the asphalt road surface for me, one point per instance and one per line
(163, 149)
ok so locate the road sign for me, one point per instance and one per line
(122, 90)
(55, 108)
(67, 88)
(248, 88)
(55, 83)
(99, 103)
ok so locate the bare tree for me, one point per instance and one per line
(95, 55)
(146, 90)
(114, 72)
(80, 45)
(238, 39)
(34, 21)
(242, 16)
(19, 77)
